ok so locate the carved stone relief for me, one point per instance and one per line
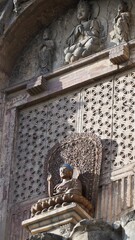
(84, 39)
(46, 51)
(65, 230)
(40, 53)
(84, 152)
(80, 182)
(121, 32)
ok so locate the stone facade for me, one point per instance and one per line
(94, 94)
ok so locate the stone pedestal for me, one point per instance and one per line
(59, 221)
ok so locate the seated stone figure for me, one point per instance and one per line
(120, 34)
(85, 37)
(68, 184)
(69, 190)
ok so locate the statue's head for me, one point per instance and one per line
(83, 10)
(66, 171)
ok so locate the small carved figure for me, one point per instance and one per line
(68, 184)
(85, 37)
(69, 190)
(121, 24)
(45, 53)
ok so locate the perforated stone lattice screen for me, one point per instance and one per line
(124, 120)
(107, 109)
(40, 127)
(97, 116)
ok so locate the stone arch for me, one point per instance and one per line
(24, 26)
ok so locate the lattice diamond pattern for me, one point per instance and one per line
(61, 118)
(124, 120)
(97, 116)
(106, 109)
(40, 127)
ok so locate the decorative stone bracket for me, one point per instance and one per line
(36, 86)
(119, 54)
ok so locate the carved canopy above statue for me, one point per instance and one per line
(84, 152)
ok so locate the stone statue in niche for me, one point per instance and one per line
(81, 187)
(73, 194)
(45, 53)
(69, 190)
(121, 31)
(85, 37)
(68, 184)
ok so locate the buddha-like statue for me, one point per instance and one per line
(69, 190)
(85, 37)
(68, 184)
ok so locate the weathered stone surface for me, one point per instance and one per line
(122, 22)
(95, 230)
(59, 220)
(45, 236)
(127, 226)
(31, 125)
(89, 161)
(119, 54)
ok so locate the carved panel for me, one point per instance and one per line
(97, 116)
(124, 120)
(39, 128)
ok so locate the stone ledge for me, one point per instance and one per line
(52, 220)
